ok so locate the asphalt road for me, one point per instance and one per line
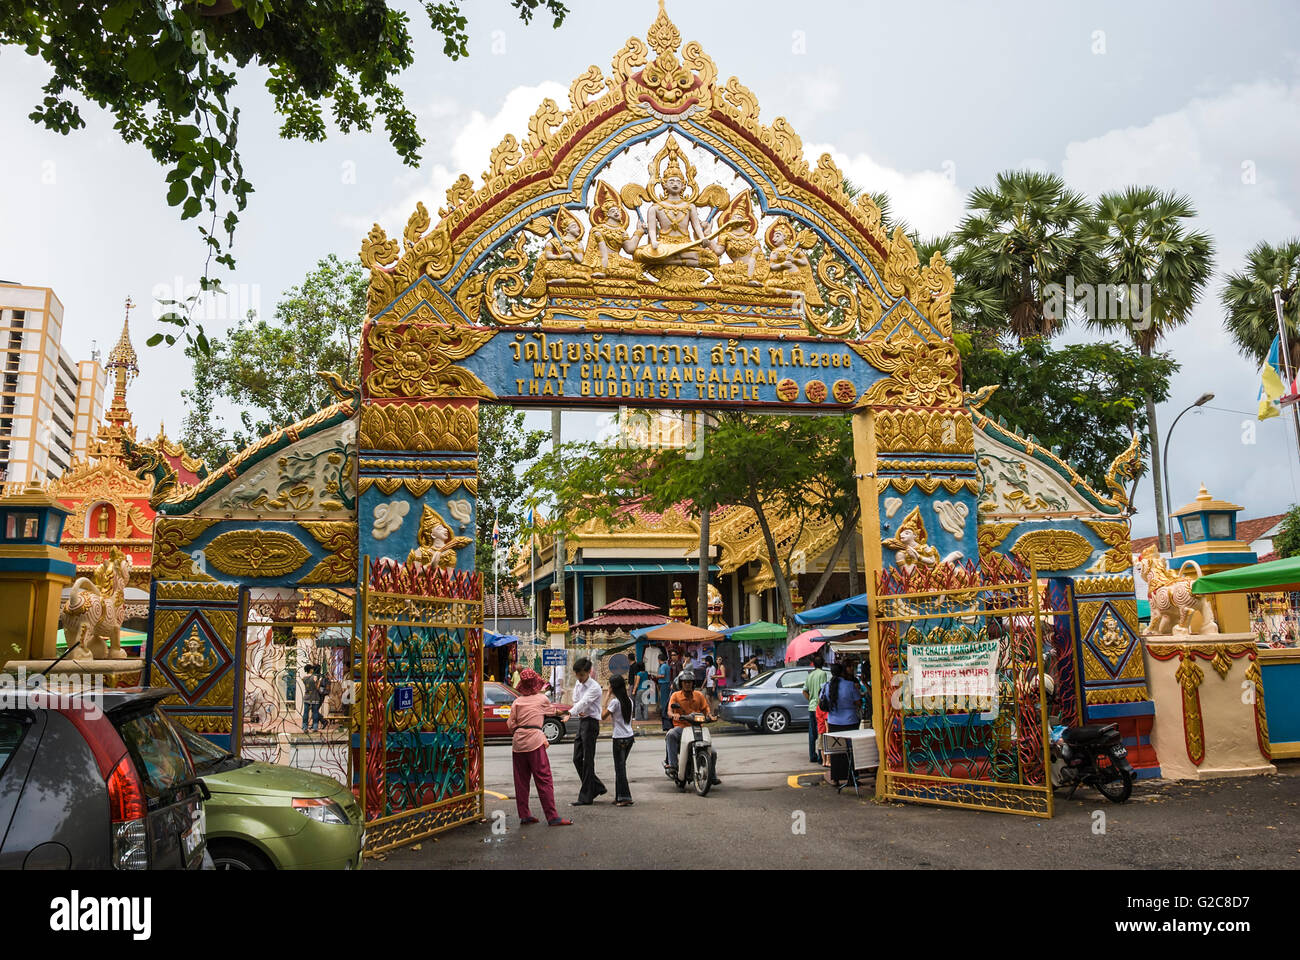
(756, 819)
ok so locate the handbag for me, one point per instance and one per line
(823, 698)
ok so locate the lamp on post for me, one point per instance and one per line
(1201, 401)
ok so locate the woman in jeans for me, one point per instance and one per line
(843, 697)
(618, 707)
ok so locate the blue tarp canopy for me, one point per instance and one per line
(852, 610)
(491, 639)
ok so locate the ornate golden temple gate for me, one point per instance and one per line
(594, 267)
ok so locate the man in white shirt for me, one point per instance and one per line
(586, 707)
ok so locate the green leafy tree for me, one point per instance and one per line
(799, 468)
(268, 368)
(1247, 298)
(1023, 235)
(1084, 401)
(1143, 245)
(1287, 542)
(504, 445)
(167, 72)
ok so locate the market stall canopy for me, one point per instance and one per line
(491, 639)
(852, 610)
(682, 633)
(806, 644)
(757, 632)
(1274, 576)
(130, 638)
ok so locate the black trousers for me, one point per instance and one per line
(622, 747)
(584, 759)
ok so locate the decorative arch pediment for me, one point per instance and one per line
(589, 178)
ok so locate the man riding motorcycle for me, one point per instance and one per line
(686, 701)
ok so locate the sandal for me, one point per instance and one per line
(622, 803)
(559, 822)
(527, 820)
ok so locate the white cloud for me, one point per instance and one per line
(927, 200)
(1233, 155)
(468, 150)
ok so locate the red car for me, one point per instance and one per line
(497, 700)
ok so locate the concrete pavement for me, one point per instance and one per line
(772, 811)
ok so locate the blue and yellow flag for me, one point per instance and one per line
(1270, 388)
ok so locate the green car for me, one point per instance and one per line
(265, 816)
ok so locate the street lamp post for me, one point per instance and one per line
(1201, 401)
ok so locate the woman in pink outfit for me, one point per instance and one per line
(529, 748)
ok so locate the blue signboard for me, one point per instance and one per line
(554, 658)
(779, 371)
(405, 698)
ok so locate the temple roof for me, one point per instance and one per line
(624, 612)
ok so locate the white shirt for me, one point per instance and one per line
(586, 699)
(621, 726)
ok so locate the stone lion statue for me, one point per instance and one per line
(1170, 594)
(93, 614)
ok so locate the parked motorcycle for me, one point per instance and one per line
(1093, 754)
(695, 759)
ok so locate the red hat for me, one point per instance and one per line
(529, 682)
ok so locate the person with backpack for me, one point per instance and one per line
(841, 698)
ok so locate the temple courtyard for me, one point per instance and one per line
(769, 790)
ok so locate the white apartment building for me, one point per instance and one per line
(41, 388)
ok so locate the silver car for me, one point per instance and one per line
(772, 702)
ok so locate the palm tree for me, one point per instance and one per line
(1158, 267)
(1023, 236)
(1247, 297)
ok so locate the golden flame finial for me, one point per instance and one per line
(663, 34)
(124, 365)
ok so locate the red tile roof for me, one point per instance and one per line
(627, 605)
(511, 606)
(1248, 531)
(624, 612)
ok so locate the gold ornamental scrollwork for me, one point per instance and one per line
(256, 553)
(339, 537)
(1053, 549)
(1189, 677)
(991, 535)
(1115, 535)
(419, 428)
(410, 360)
(920, 374)
(924, 431)
(171, 561)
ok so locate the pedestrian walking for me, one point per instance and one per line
(618, 707)
(310, 699)
(528, 748)
(812, 687)
(586, 707)
(711, 679)
(720, 678)
(841, 698)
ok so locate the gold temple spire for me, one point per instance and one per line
(663, 34)
(124, 365)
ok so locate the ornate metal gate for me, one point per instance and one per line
(418, 725)
(283, 631)
(983, 748)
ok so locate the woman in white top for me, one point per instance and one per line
(618, 707)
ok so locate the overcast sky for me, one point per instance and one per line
(922, 101)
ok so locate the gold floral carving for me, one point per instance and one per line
(920, 374)
(1111, 695)
(415, 360)
(1189, 677)
(256, 553)
(927, 484)
(527, 176)
(924, 431)
(1092, 585)
(171, 535)
(1256, 677)
(991, 535)
(200, 593)
(1115, 534)
(1053, 549)
(339, 537)
(419, 427)
(203, 722)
